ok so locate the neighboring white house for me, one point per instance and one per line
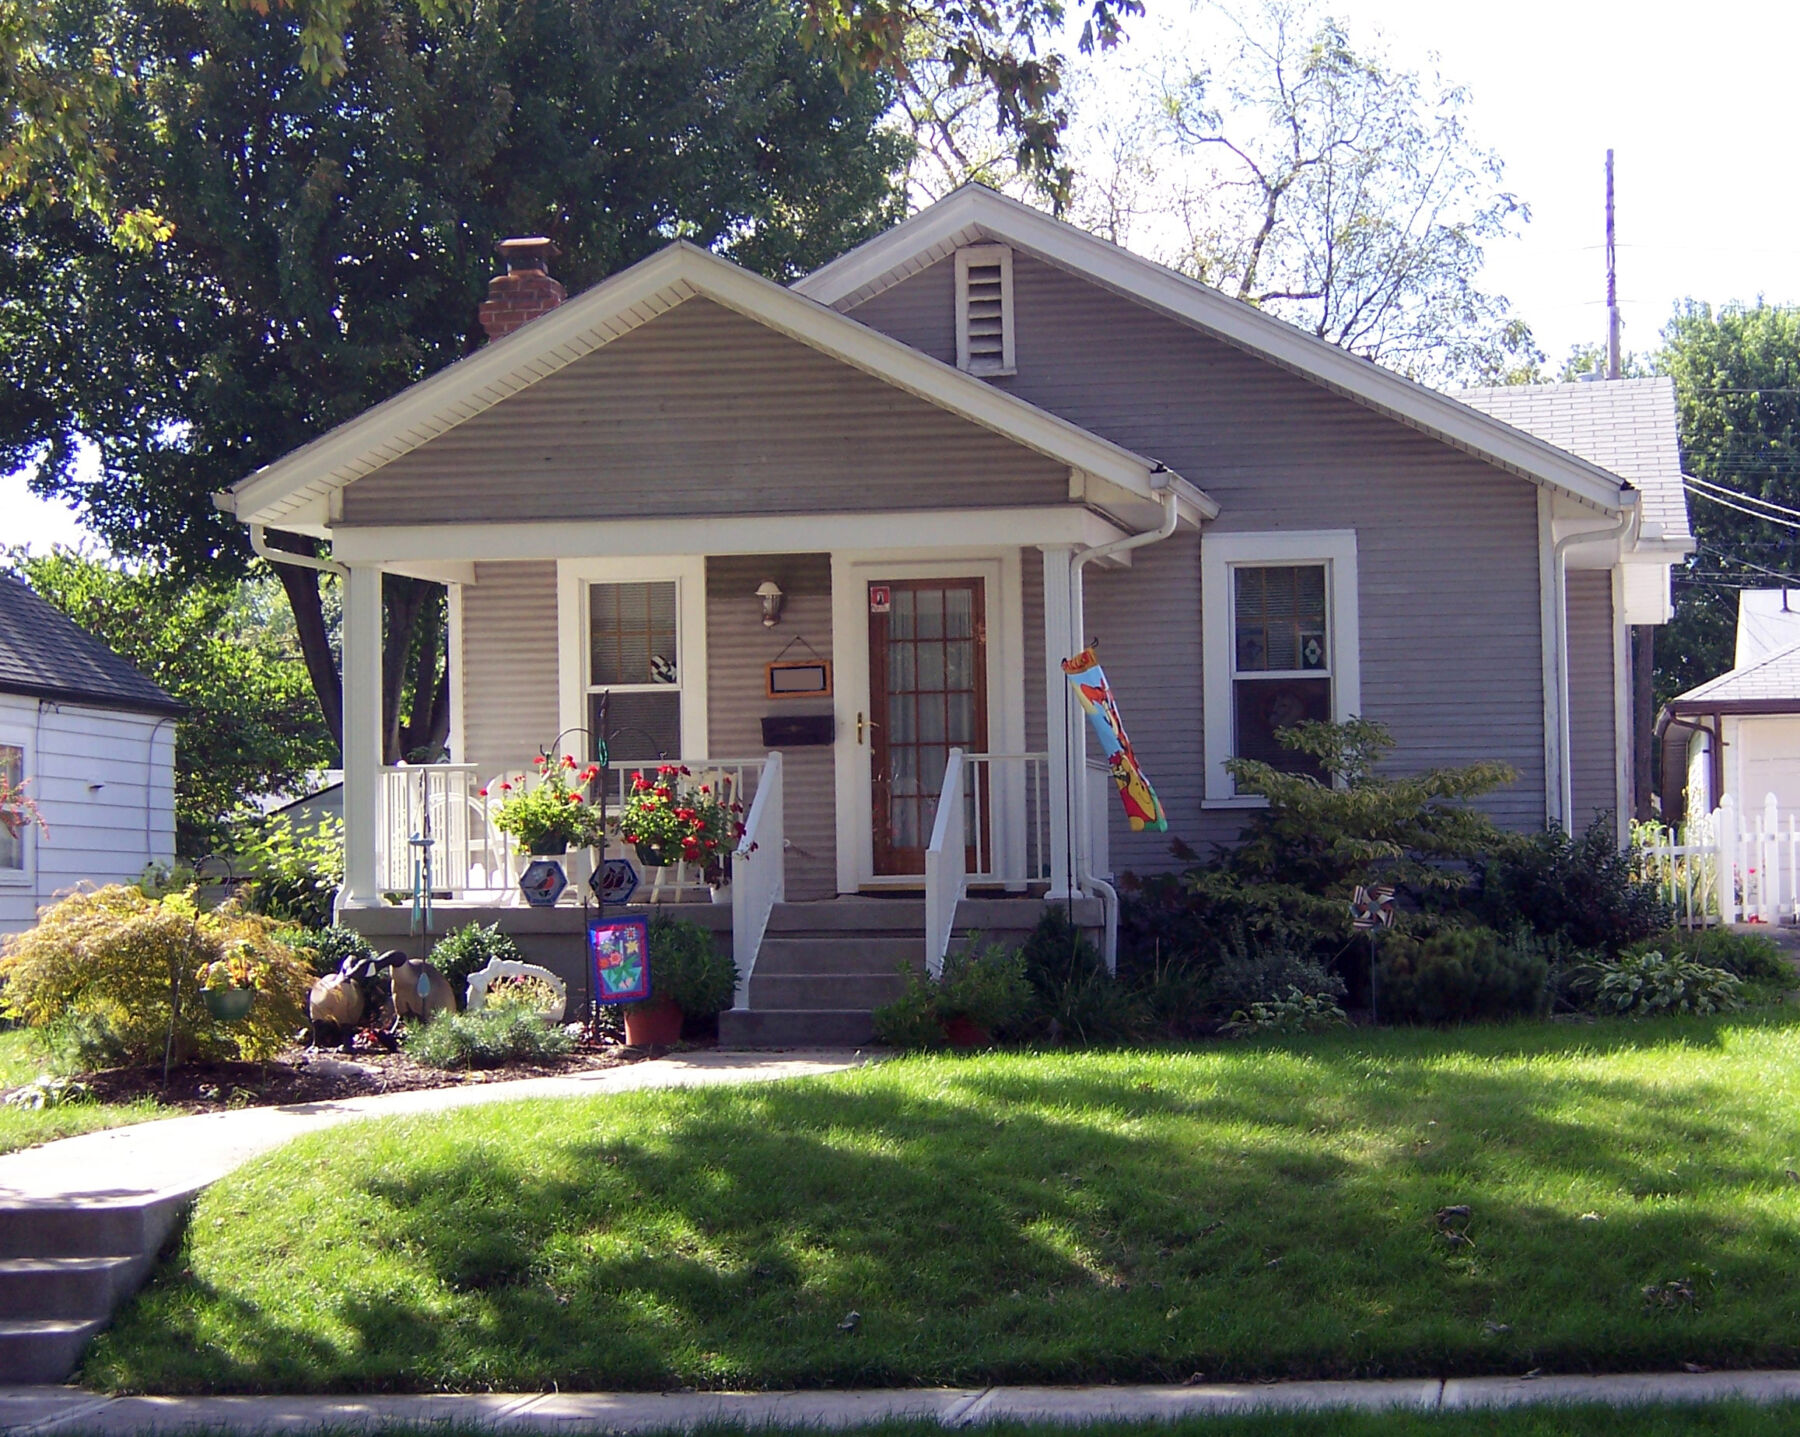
(1739, 733)
(94, 742)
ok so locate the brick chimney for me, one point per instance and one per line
(525, 291)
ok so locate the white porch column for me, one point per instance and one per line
(1065, 748)
(362, 733)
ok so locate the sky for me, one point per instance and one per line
(1696, 100)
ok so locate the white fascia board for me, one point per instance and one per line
(927, 530)
(620, 304)
(974, 209)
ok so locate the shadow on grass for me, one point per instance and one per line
(1253, 1212)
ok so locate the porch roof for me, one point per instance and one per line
(298, 492)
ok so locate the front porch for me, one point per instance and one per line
(937, 788)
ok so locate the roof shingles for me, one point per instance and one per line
(44, 653)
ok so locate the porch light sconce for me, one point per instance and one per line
(770, 594)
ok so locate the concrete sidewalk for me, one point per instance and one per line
(183, 1155)
(67, 1410)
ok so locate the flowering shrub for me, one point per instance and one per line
(679, 822)
(554, 810)
(18, 811)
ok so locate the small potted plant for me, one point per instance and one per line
(552, 815)
(228, 985)
(670, 821)
(689, 978)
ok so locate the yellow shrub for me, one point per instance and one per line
(103, 962)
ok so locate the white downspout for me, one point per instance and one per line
(1566, 779)
(1084, 879)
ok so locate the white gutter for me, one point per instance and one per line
(1629, 520)
(1084, 879)
(259, 545)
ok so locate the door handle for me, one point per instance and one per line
(861, 724)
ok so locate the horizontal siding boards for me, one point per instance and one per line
(1447, 546)
(104, 781)
(1593, 774)
(738, 649)
(702, 411)
(508, 653)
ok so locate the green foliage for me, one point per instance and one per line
(1077, 1000)
(99, 968)
(1646, 984)
(487, 1038)
(687, 966)
(468, 950)
(1246, 976)
(1457, 975)
(1585, 892)
(225, 649)
(552, 810)
(1295, 1011)
(1355, 826)
(326, 950)
(1754, 957)
(1737, 384)
(985, 985)
(293, 870)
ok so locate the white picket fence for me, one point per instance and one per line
(1727, 866)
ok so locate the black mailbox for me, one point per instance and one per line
(798, 730)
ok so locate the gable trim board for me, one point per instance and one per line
(975, 214)
(301, 491)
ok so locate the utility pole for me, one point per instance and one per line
(1643, 636)
(1612, 280)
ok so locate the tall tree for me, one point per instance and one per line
(225, 649)
(330, 243)
(1737, 381)
(1313, 177)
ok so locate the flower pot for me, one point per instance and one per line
(548, 847)
(228, 1005)
(654, 1023)
(651, 856)
(963, 1033)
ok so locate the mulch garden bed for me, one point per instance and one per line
(309, 1076)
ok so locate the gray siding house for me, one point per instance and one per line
(961, 452)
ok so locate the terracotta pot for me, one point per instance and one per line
(964, 1034)
(654, 1023)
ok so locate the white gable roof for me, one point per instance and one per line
(975, 213)
(1629, 427)
(296, 491)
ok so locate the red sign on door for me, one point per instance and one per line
(881, 598)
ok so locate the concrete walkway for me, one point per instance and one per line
(183, 1155)
(33, 1410)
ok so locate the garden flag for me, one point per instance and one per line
(619, 949)
(1142, 807)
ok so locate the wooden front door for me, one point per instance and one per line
(927, 695)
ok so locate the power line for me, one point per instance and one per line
(1692, 480)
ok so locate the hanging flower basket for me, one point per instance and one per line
(669, 821)
(228, 1005)
(552, 813)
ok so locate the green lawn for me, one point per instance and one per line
(22, 1058)
(1240, 1210)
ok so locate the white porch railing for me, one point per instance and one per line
(758, 875)
(453, 806)
(992, 826)
(445, 803)
(1725, 866)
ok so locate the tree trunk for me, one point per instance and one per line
(302, 588)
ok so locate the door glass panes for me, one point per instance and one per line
(1279, 615)
(12, 769)
(631, 634)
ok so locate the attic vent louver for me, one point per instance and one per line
(984, 313)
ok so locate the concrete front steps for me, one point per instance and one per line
(826, 966)
(64, 1268)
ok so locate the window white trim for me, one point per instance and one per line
(1219, 555)
(25, 876)
(688, 573)
(984, 365)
